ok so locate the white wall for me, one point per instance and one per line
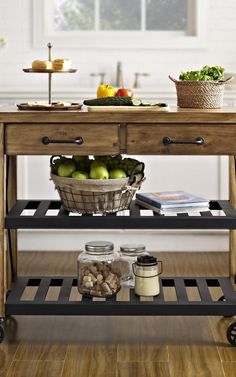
(16, 26)
(201, 175)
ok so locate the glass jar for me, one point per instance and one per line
(147, 273)
(98, 270)
(128, 256)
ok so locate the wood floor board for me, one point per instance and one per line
(194, 361)
(7, 352)
(145, 340)
(143, 369)
(35, 369)
(192, 350)
(90, 360)
(178, 264)
(229, 368)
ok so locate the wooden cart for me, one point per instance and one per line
(179, 132)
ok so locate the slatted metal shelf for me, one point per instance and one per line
(40, 304)
(42, 214)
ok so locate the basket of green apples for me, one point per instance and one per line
(98, 184)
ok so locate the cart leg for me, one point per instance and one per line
(11, 190)
(232, 238)
(2, 226)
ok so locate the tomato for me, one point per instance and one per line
(124, 92)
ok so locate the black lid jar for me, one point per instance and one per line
(146, 270)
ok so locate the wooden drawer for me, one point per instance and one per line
(45, 139)
(149, 139)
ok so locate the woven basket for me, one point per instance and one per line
(93, 196)
(200, 94)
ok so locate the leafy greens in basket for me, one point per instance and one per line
(205, 74)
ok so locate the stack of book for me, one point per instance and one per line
(172, 201)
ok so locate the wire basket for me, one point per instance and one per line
(93, 196)
(200, 94)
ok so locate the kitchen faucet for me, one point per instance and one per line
(137, 83)
(119, 75)
(101, 74)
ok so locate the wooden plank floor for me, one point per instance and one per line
(119, 346)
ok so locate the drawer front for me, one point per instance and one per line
(45, 139)
(181, 139)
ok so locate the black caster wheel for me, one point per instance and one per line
(231, 334)
(2, 334)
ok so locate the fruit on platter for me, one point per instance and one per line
(80, 174)
(124, 92)
(99, 172)
(105, 90)
(95, 167)
(117, 173)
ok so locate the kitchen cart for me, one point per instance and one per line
(179, 132)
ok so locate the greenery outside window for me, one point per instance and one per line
(120, 23)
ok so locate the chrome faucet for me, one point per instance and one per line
(119, 75)
(101, 74)
(137, 83)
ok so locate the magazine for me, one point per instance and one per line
(172, 199)
(172, 210)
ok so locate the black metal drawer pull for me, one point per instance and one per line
(198, 141)
(78, 140)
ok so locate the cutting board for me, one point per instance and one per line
(121, 109)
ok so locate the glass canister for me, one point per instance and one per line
(128, 256)
(146, 271)
(98, 270)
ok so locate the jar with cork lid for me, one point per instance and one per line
(98, 270)
(128, 255)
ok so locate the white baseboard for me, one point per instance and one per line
(162, 240)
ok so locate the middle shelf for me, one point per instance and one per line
(43, 214)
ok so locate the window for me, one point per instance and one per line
(119, 23)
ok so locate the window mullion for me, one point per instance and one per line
(191, 17)
(143, 15)
(97, 14)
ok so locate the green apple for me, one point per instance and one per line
(66, 169)
(97, 163)
(80, 174)
(117, 173)
(99, 172)
(56, 163)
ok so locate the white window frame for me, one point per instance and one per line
(195, 38)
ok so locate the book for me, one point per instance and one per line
(172, 210)
(172, 199)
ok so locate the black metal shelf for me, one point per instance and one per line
(49, 214)
(62, 305)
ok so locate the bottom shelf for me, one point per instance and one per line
(59, 296)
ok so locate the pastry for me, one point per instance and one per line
(61, 64)
(42, 64)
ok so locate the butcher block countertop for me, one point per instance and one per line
(175, 115)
